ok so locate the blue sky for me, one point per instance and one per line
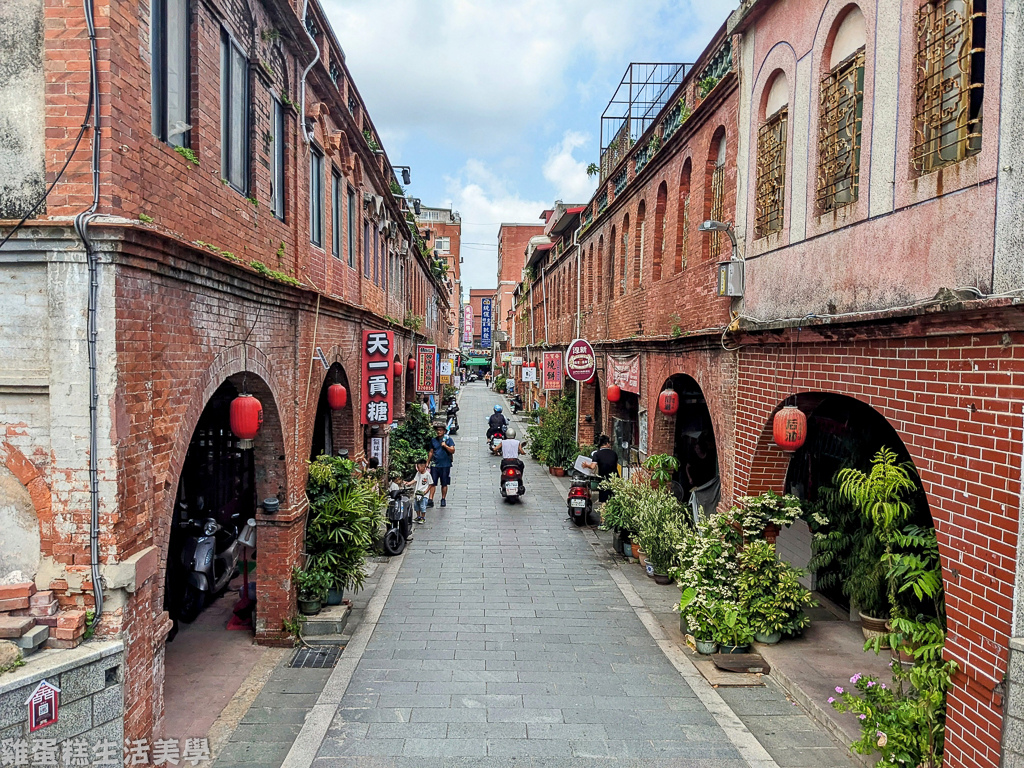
(496, 105)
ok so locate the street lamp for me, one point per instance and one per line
(406, 173)
(730, 273)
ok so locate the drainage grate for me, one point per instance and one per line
(316, 657)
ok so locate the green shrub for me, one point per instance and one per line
(410, 441)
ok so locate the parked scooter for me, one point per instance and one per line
(399, 521)
(510, 482)
(452, 418)
(579, 501)
(209, 559)
(517, 403)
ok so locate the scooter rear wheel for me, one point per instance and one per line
(394, 543)
(193, 600)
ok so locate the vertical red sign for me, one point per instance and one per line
(378, 355)
(42, 706)
(552, 370)
(426, 368)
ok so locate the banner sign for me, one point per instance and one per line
(516, 360)
(506, 357)
(625, 371)
(426, 372)
(467, 330)
(378, 354)
(580, 361)
(530, 373)
(446, 368)
(552, 362)
(485, 323)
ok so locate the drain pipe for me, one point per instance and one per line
(305, 72)
(82, 222)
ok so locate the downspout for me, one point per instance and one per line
(579, 325)
(82, 222)
(544, 297)
(305, 72)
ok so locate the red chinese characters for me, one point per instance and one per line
(552, 364)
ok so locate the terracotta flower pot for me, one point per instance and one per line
(558, 471)
(873, 627)
(634, 550)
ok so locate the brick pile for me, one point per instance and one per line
(33, 620)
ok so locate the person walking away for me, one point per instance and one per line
(442, 448)
(512, 449)
(606, 463)
(421, 483)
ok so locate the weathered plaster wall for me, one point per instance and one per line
(22, 130)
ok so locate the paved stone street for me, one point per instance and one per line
(507, 639)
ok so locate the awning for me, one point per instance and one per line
(477, 361)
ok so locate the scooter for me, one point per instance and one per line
(494, 441)
(399, 522)
(517, 403)
(510, 482)
(209, 559)
(453, 419)
(579, 500)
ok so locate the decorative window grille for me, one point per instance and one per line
(353, 105)
(717, 206)
(311, 27)
(950, 63)
(771, 173)
(620, 182)
(335, 72)
(602, 202)
(839, 123)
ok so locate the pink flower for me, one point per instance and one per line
(871, 683)
(883, 685)
(831, 699)
(855, 678)
(862, 717)
(838, 689)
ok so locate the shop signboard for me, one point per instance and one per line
(467, 325)
(378, 355)
(516, 360)
(506, 357)
(625, 372)
(426, 371)
(580, 360)
(552, 364)
(485, 323)
(530, 373)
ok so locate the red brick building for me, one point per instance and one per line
(441, 229)
(244, 220)
(512, 242)
(872, 193)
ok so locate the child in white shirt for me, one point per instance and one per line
(421, 481)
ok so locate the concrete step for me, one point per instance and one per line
(330, 621)
(325, 639)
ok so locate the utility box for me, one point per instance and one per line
(730, 278)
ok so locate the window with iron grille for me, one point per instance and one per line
(717, 206)
(950, 63)
(839, 123)
(771, 173)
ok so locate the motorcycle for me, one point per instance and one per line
(399, 522)
(209, 560)
(510, 482)
(453, 419)
(494, 440)
(517, 403)
(579, 501)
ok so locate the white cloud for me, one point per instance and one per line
(485, 200)
(567, 174)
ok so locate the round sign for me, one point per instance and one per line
(580, 361)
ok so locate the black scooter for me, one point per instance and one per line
(511, 480)
(453, 419)
(399, 522)
(517, 403)
(579, 501)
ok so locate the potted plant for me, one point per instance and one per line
(732, 630)
(662, 467)
(771, 591)
(766, 514)
(699, 616)
(312, 585)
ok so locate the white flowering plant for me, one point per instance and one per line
(757, 512)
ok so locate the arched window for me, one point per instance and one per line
(715, 186)
(771, 157)
(659, 228)
(639, 242)
(950, 61)
(841, 105)
(683, 218)
(600, 269)
(624, 257)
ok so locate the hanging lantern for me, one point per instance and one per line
(337, 397)
(668, 402)
(614, 393)
(412, 364)
(789, 428)
(246, 419)
(398, 370)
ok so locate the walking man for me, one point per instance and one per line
(442, 448)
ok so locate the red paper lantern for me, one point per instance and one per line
(246, 417)
(789, 429)
(614, 393)
(337, 397)
(412, 363)
(398, 370)
(668, 402)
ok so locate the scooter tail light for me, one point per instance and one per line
(510, 472)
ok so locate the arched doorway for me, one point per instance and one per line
(333, 429)
(693, 444)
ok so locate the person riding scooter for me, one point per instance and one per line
(510, 483)
(511, 450)
(496, 422)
